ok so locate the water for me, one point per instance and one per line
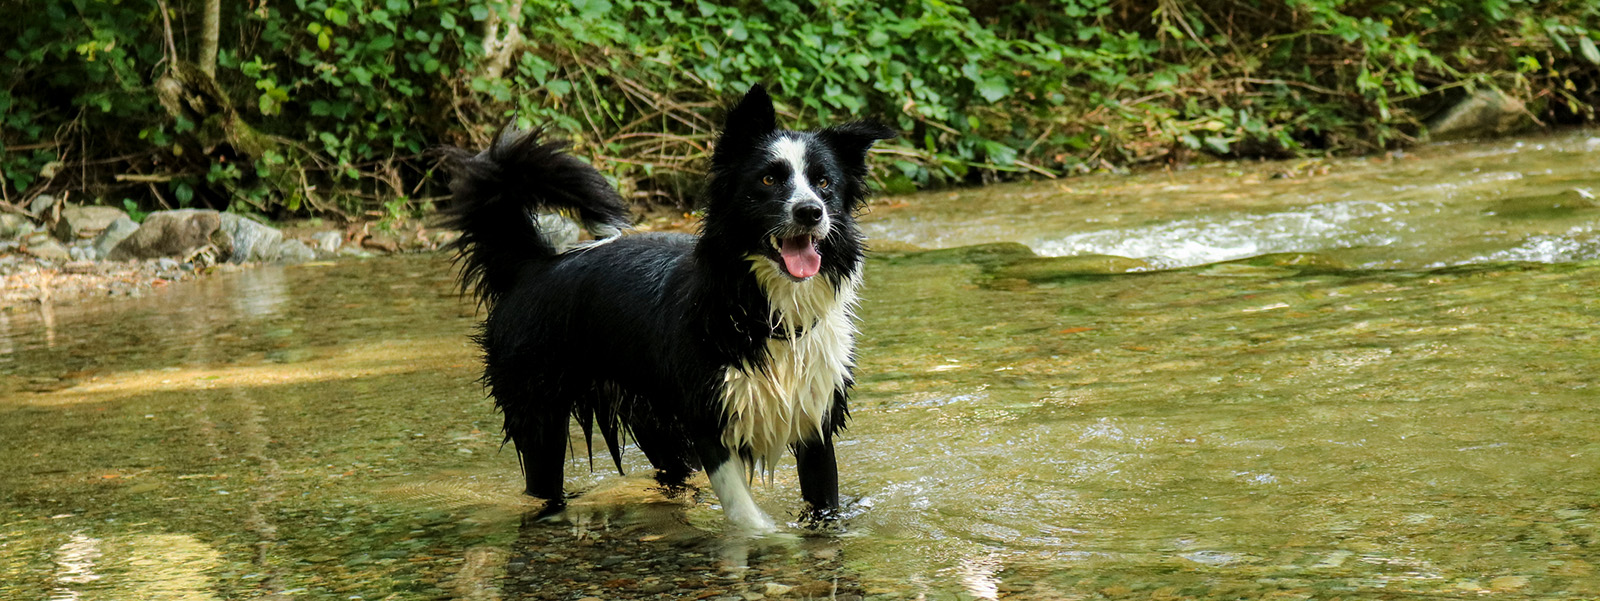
(1444, 205)
(1397, 404)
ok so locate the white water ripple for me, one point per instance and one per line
(1202, 240)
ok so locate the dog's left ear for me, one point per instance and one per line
(850, 142)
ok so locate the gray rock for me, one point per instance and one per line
(1485, 112)
(251, 240)
(293, 251)
(172, 234)
(82, 253)
(113, 235)
(13, 226)
(41, 245)
(327, 243)
(77, 223)
(41, 204)
(561, 232)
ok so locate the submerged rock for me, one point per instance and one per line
(979, 254)
(1301, 261)
(85, 222)
(172, 234)
(1047, 269)
(1547, 206)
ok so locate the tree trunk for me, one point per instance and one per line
(210, 32)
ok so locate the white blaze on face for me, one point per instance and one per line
(793, 151)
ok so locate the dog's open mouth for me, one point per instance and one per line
(799, 256)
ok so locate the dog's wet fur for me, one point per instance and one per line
(715, 351)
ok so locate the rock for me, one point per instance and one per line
(979, 254)
(251, 240)
(1049, 269)
(13, 225)
(293, 251)
(113, 235)
(82, 253)
(327, 243)
(1485, 112)
(815, 588)
(774, 589)
(41, 205)
(172, 234)
(41, 245)
(1547, 206)
(559, 231)
(85, 222)
(1299, 261)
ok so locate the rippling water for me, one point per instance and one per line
(1373, 382)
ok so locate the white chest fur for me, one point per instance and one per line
(789, 399)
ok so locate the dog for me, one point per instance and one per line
(717, 351)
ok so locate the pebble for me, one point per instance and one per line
(774, 589)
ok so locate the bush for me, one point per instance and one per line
(327, 106)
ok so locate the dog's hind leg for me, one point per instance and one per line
(819, 474)
(664, 444)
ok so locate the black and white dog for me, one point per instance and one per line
(715, 351)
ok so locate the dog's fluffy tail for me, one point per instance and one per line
(498, 191)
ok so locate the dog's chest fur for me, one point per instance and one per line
(789, 398)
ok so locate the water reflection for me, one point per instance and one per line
(1287, 426)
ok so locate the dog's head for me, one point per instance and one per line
(790, 196)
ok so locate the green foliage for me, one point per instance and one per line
(351, 93)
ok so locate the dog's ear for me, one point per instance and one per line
(850, 142)
(749, 121)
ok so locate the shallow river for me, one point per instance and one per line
(1365, 378)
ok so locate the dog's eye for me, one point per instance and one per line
(823, 183)
(768, 180)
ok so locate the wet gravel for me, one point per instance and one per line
(570, 562)
(26, 282)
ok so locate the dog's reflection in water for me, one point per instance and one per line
(633, 539)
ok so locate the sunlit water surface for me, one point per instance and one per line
(1390, 406)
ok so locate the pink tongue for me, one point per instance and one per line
(800, 257)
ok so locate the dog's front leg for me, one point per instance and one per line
(819, 475)
(731, 481)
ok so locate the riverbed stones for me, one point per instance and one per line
(81, 222)
(175, 233)
(41, 245)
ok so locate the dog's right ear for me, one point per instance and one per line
(749, 121)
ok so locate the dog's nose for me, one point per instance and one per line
(808, 213)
